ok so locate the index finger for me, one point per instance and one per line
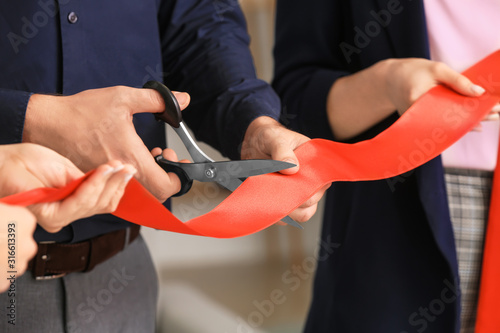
(456, 81)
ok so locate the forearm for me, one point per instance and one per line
(359, 101)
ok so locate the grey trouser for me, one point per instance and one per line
(119, 295)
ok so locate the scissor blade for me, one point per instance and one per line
(223, 172)
(227, 174)
(248, 168)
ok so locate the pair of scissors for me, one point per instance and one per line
(228, 174)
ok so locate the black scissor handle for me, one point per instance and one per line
(172, 114)
(176, 168)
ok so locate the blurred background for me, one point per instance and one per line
(254, 284)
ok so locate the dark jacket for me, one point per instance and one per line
(395, 270)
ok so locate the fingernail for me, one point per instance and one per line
(493, 116)
(108, 170)
(181, 97)
(128, 177)
(118, 168)
(496, 108)
(477, 90)
(131, 171)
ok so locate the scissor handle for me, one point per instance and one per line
(176, 168)
(172, 114)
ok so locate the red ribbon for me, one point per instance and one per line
(432, 124)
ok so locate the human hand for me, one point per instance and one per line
(265, 138)
(95, 126)
(358, 101)
(27, 166)
(493, 115)
(408, 79)
(20, 223)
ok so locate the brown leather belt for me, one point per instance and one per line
(55, 260)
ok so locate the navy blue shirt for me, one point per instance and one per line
(196, 46)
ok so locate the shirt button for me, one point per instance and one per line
(72, 17)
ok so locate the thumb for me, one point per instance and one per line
(283, 152)
(150, 101)
(146, 101)
(182, 98)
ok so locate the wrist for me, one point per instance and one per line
(259, 123)
(382, 80)
(37, 119)
(255, 135)
(5, 151)
(263, 121)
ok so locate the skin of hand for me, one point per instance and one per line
(492, 116)
(95, 126)
(27, 166)
(17, 225)
(358, 101)
(266, 138)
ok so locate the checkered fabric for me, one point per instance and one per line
(469, 194)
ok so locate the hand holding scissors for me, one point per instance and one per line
(228, 174)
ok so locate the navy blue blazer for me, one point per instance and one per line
(393, 268)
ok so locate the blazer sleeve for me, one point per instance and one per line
(308, 60)
(12, 114)
(205, 53)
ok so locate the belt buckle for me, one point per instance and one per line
(50, 277)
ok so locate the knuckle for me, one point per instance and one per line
(121, 97)
(413, 94)
(162, 196)
(114, 205)
(438, 67)
(155, 98)
(111, 206)
(121, 91)
(462, 81)
(100, 208)
(307, 214)
(87, 206)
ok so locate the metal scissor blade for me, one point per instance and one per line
(221, 172)
(248, 168)
(288, 220)
(196, 153)
(233, 184)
